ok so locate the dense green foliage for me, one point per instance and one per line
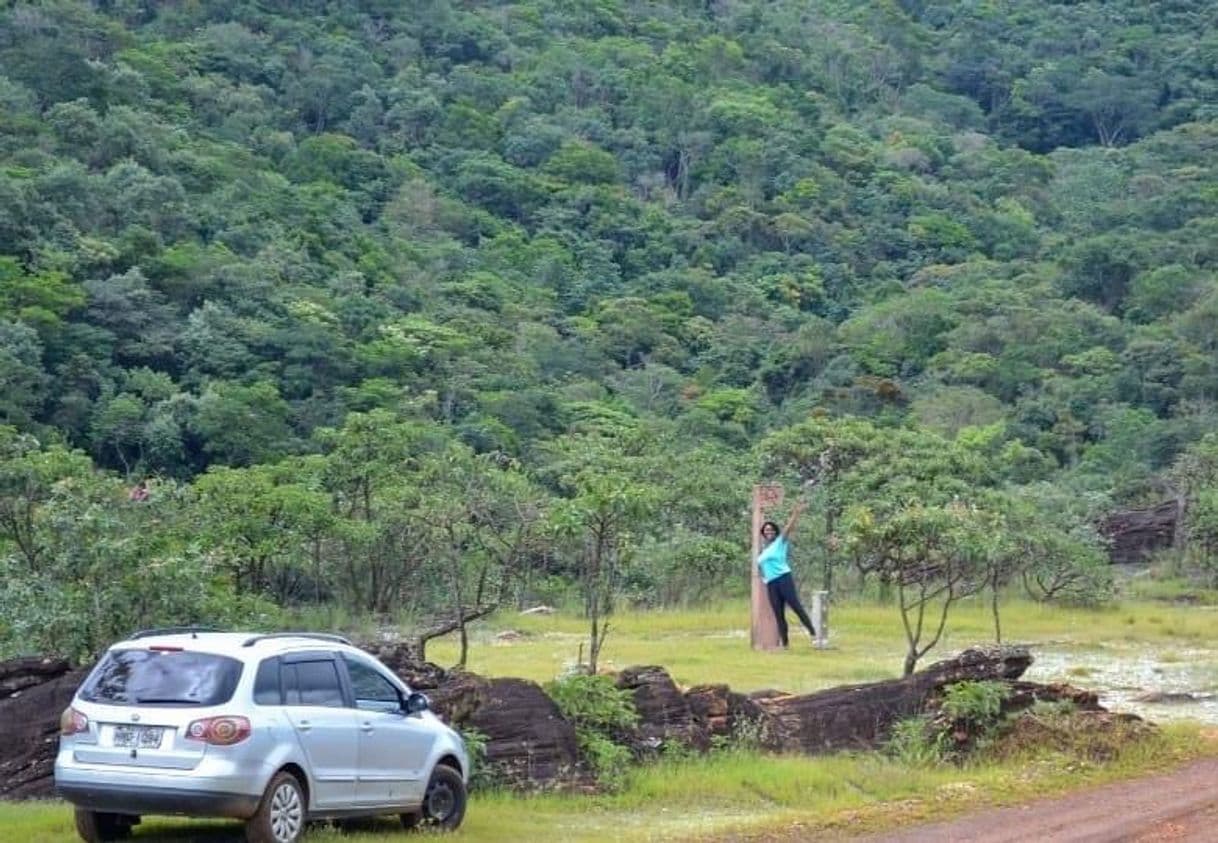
(430, 306)
(603, 716)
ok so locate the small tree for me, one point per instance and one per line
(258, 522)
(824, 450)
(1055, 548)
(82, 565)
(932, 554)
(608, 500)
(29, 474)
(1066, 567)
(379, 541)
(485, 518)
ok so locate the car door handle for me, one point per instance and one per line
(366, 727)
(304, 726)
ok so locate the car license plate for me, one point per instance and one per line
(138, 737)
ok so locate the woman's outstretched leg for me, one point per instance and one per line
(791, 597)
(775, 590)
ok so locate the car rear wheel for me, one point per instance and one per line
(99, 827)
(443, 806)
(281, 814)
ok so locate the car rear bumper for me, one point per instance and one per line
(128, 799)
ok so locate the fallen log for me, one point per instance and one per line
(665, 715)
(29, 732)
(18, 674)
(529, 742)
(724, 714)
(861, 716)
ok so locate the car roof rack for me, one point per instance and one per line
(319, 636)
(172, 630)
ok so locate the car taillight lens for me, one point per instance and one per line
(219, 731)
(72, 722)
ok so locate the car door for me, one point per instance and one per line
(325, 725)
(394, 747)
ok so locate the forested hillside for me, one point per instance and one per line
(418, 305)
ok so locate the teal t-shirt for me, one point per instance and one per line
(773, 559)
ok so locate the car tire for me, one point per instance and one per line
(443, 806)
(281, 813)
(100, 827)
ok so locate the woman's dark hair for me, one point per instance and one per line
(777, 529)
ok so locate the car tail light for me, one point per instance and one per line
(72, 722)
(219, 731)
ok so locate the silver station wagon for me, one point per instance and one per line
(275, 730)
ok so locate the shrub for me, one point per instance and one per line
(976, 703)
(594, 702)
(482, 775)
(916, 742)
(602, 714)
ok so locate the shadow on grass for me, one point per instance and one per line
(203, 831)
(188, 832)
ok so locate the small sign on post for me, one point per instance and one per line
(764, 628)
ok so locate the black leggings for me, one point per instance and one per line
(782, 593)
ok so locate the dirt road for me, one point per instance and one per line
(1180, 807)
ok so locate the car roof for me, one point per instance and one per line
(240, 645)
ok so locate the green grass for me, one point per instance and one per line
(712, 645)
(713, 797)
(1171, 589)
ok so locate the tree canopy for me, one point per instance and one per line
(295, 259)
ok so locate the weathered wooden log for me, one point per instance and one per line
(665, 716)
(18, 674)
(1024, 695)
(402, 658)
(529, 742)
(29, 733)
(860, 716)
(723, 713)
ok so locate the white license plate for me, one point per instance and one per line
(138, 737)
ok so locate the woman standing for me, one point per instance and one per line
(776, 572)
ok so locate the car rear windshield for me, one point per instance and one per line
(159, 677)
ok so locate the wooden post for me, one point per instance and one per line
(764, 631)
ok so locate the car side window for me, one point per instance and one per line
(266, 683)
(373, 692)
(312, 683)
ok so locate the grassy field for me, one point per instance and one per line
(867, 643)
(742, 794)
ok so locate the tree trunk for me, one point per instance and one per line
(994, 609)
(593, 648)
(830, 522)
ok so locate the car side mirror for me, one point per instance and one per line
(416, 703)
